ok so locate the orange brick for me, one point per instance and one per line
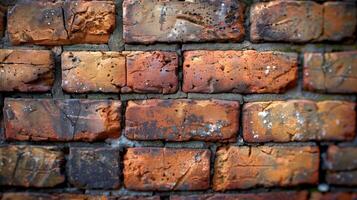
(165, 169)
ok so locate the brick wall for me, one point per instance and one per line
(194, 99)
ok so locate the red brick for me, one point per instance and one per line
(31, 166)
(340, 20)
(333, 196)
(182, 120)
(331, 72)
(239, 71)
(302, 21)
(298, 120)
(68, 196)
(164, 169)
(182, 21)
(26, 70)
(93, 167)
(61, 22)
(246, 167)
(152, 72)
(341, 164)
(61, 120)
(248, 196)
(293, 21)
(84, 71)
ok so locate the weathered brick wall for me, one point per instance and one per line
(169, 99)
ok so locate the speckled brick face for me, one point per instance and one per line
(182, 21)
(276, 166)
(182, 120)
(84, 71)
(298, 120)
(333, 196)
(164, 169)
(152, 72)
(61, 120)
(331, 72)
(31, 166)
(238, 71)
(341, 163)
(69, 196)
(26, 70)
(96, 168)
(246, 196)
(61, 22)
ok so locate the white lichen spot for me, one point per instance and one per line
(263, 114)
(255, 136)
(337, 122)
(267, 70)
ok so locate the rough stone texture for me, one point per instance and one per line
(93, 167)
(333, 196)
(164, 169)
(246, 167)
(30, 166)
(61, 120)
(182, 120)
(68, 196)
(341, 163)
(238, 71)
(61, 22)
(152, 72)
(84, 71)
(26, 70)
(340, 20)
(331, 72)
(248, 196)
(182, 21)
(298, 120)
(286, 20)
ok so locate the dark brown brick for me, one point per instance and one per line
(238, 71)
(246, 167)
(152, 72)
(294, 21)
(248, 196)
(333, 196)
(61, 120)
(298, 120)
(164, 169)
(84, 71)
(182, 21)
(30, 166)
(61, 22)
(341, 163)
(93, 167)
(26, 70)
(340, 20)
(68, 196)
(182, 120)
(331, 72)
(2, 20)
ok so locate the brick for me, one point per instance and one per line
(84, 71)
(239, 71)
(26, 70)
(340, 20)
(302, 21)
(331, 72)
(341, 165)
(165, 169)
(182, 120)
(152, 72)
(93, 167)
(61, 22)
(30, 166)
(298, 120)
(2, 20)
(293, 21)
(68, 196)
(182, 21)
(246, 167)
(333, 196)
(252, 196)
(61, 120)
